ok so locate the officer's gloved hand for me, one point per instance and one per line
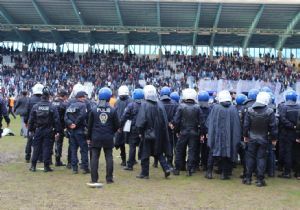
(30, 134)
(56, 136)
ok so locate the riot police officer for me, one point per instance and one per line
(3, 113)
(224, 135)
(37, 91)
(188, 120)
(252, 94)
(259, 122)
(43, 120)
(75, 120)
(120, 106)
(102, 125)
(175, 96)
(130, 115)
(170, 107)
(152, 123)
(60, 103)
(240, 100)
(203, 98)
(289, 114)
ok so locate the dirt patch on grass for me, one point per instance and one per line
(8, 157)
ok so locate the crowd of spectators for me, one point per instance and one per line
(111, 68)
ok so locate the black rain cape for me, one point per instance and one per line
(153, 115)
(224, 131)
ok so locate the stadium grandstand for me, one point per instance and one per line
(149, 27)
(112, 42)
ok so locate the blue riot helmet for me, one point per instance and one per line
(175, 96)
(291, 96)
(203, 96)
(240, 99)
(252, 94)
(105, 94)
(165, 91)
(138, 94)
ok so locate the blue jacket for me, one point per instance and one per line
(102, 125)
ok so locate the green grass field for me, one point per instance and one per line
(22, 189)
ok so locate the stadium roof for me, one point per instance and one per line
(247, 23)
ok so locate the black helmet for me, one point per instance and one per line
(46, 91)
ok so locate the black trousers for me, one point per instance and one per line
(242, 154)
(146, 161)
(95, 163)
(224, 164)
(28, 148)
(296, 158)
(256, 159)
(183, 142)
(59, 145)
(42, 145)
(132, 155)
(287, 149)
(173, 142)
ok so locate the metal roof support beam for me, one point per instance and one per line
(9, 19)
(81, 21)
(282, 39)
(195, 35)
(217, 19)
(77, 13)
(120, 20)
(158, 21)
(57, 36)
(253, 26)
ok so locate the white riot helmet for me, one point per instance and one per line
(189, 94)
(224, 96)
(263, 98)
(37, 89)
(77, 88)
(123, 91)
(150, 93)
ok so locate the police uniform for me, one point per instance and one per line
(76, 113)
(133, 136)
(61, 107)
(170, 107)
(31, 102)
(43, 120)
(102, 125)
(259, 122)
(289, 114)
(3, 113)
(204, 150)
(242, 146)
(188, 120)
(120, 106)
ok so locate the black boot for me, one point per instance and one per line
(128, 168)
(32, 168)
(247, 181)
(123, 163)
(58, 162)
(225, 176)
(176, 172)
(69, 166)
(47, 169)
(261, 183)
(167, 173)
(208, 174)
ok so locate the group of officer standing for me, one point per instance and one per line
(186, 133)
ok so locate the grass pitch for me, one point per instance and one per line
(22, 189)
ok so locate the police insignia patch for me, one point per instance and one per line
(103, 118)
